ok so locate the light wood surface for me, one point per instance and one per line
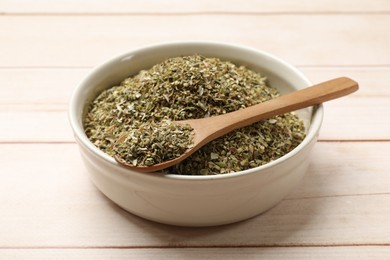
(49, 209)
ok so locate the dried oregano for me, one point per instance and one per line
(185, 88)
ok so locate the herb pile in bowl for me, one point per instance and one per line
(187, 88)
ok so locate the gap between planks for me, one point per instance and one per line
(202, 246)
(338, 195)
(204, 13)
(173, 6)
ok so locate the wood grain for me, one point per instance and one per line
(346, 169)
(34, 126)
(62, 40)
(57, 206)
(372, 80)
(356, 119)
(37, 101)
(339, 252)
(200, 6)
(350, 118)
(50, 88)
(50, 209)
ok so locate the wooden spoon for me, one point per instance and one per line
(207, 129)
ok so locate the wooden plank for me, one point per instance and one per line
(46, 88)
(33, 104)
(34, 126)
(89, 40)
(47, 201)
(373, 81)
(340, 252)
(49, 208)
(174, 6)
(51, 88)
(339, 169)
(350, 118)
(353, 118)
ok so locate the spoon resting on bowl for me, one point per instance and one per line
(207, 129)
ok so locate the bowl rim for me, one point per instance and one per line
(315, 122)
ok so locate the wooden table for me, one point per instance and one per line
(50, 209)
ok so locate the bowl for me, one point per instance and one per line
(194, 200)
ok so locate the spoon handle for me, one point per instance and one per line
(310, 96)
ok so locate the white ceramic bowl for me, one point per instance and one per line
(194, 200)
